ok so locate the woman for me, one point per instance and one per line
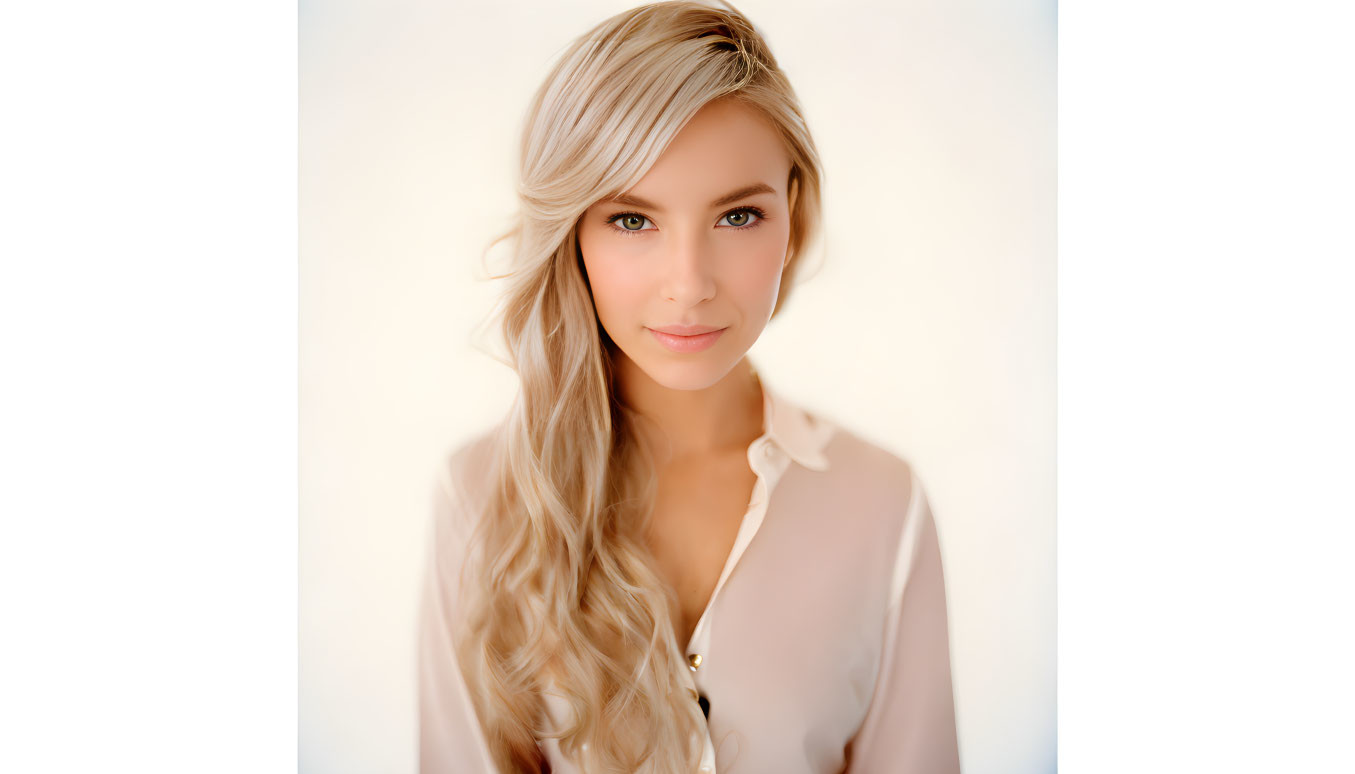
(655, 562)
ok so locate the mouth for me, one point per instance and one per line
(687, 343)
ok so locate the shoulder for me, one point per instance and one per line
(470, 461)
(872, 489)
(870, 469)
(464, 477)
(906, 527)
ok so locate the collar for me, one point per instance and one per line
(796, 432)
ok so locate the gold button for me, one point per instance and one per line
(694, 661)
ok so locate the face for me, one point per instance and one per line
(698, 245)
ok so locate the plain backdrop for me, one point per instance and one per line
(928, 326)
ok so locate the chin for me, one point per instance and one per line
(688, 372)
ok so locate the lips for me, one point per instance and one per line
(704, 338)
(686, 330)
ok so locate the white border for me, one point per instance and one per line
(1205, 392)
(149, 410)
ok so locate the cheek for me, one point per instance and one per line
(617, 284)
(754, 274)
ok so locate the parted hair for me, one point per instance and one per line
(565, 595)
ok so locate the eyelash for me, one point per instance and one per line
(761, 216)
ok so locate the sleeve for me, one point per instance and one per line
(910, 723)
(451, 740)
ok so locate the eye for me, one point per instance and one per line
(629, 222)
(741, 217)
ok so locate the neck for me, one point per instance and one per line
(725, 416)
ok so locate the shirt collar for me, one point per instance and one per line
(797, 433)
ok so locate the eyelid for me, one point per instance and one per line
(611, 222)
(757, 212)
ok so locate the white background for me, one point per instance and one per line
(148, 560)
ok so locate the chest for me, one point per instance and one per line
(698, 510)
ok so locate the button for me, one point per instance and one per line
(694, 661)
(695, 696)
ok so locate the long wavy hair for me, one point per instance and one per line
(566, 594)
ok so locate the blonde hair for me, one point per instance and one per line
(566, 594)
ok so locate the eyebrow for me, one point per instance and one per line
(749, 190)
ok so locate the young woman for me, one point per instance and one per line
(656, 562)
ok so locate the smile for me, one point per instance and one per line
(684, 344)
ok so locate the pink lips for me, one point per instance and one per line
(687, 338)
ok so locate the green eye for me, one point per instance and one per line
(632, 222)
(744, 218)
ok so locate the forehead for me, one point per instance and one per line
(727, 145)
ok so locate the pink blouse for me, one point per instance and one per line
(823, 648)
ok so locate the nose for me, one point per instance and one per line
(687, 271)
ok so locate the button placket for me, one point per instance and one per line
(708, 747)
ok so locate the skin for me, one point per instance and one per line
(686, 261)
